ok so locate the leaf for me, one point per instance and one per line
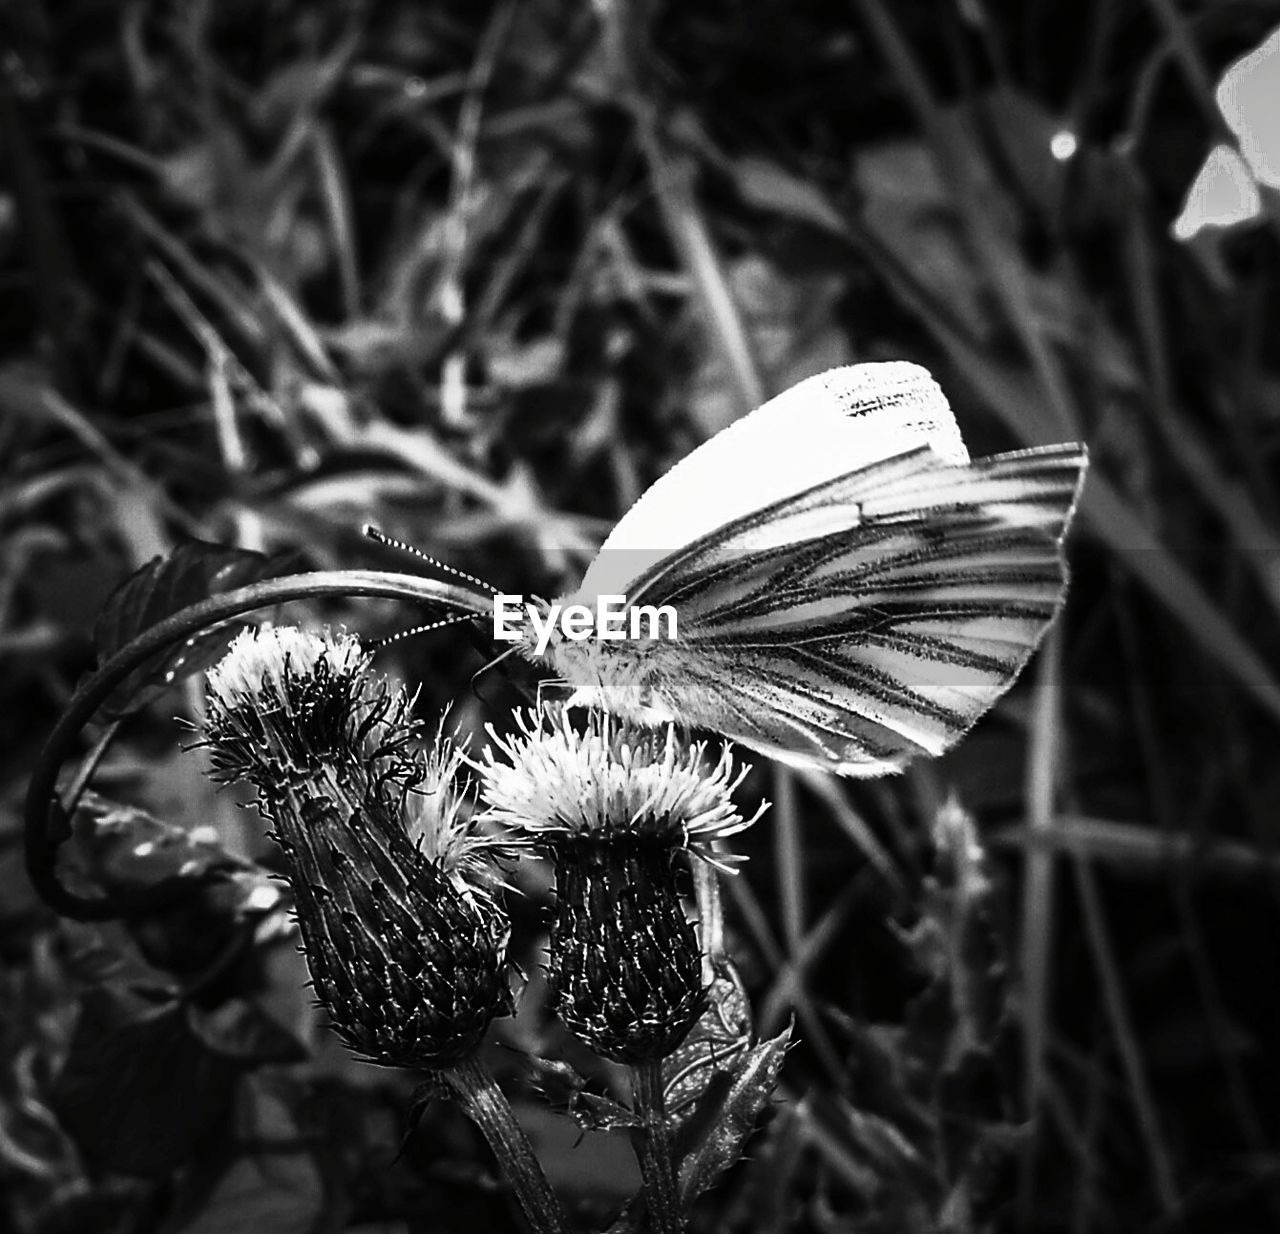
(593, 1112)
(122, 848)
(562, 1085)
(194, 571)
(728, 1105)
(764, 184)
(558, 1081)
(138, 1091)
(733, 1119)
(722, 1033)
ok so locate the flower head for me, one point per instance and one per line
(614, 805)
(616, 778)
(394, 888)
(284, 702)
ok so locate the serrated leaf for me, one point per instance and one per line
(194, 571)
(565, 1089)
(556, 1079)
(138, 1091)
(754, 1077)
(722, 1033)
(593, 1112)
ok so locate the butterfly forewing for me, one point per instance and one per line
(817, 431)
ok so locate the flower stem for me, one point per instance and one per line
(473, 1084)
(652, 1140)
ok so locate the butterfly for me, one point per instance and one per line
(852, 589)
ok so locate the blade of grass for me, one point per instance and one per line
(1087, 1178)
(51, 257)
(672, 176)
(293, 318)
(1112, 518)
(792, 906)
(450, 291)
(833, 1150)
(672, 179)
(1132, 542)
(785, 828)
(1149, 1124)
(1038, 903)
(832, 794)
(790, 993)
(1138, 849)
(1193, 68)
(230, 300)
(955, 154)
(39, 402)
(1257, 542)
(1136, 548)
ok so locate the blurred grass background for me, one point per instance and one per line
(479, 273)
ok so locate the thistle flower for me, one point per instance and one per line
(393, 888)
(613, 807)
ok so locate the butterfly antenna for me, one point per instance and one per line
(380, 537)
(422, 629)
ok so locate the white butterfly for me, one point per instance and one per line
(852, 590)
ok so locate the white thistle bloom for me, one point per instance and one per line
(616, 778)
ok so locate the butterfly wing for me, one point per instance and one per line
(869, 619)
(822, 428)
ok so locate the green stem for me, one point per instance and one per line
(653, 1145)
(473, 1084)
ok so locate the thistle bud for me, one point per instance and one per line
(614, 807)
(394, 891)
(624, 959)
